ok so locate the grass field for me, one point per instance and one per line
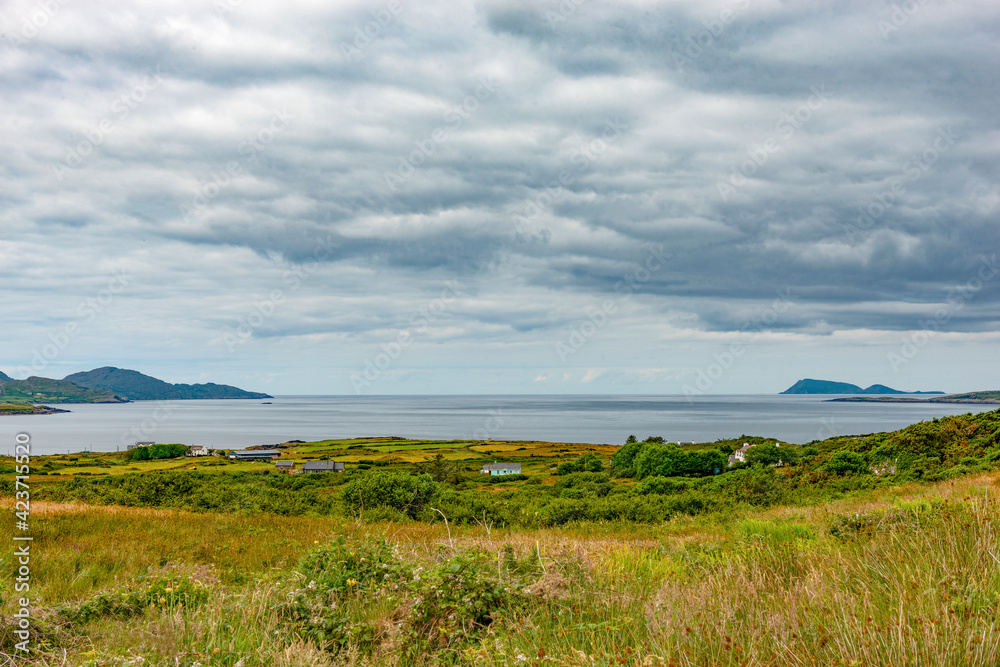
(763, 588)
(413, 557)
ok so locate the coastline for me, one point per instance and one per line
(7, 410)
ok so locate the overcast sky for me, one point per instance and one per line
(454, 197)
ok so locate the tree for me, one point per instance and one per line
(440, 469)
(845, 463)
(623, 462)
(771, 454)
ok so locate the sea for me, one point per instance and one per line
(592, 419)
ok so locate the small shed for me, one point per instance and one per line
(287, 465)
(494, 469)
(323, 466)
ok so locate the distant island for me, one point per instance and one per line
(988, 397)
(106, 385)
(809, 386)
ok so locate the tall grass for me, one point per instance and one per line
(913, 580)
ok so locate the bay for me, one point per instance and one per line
(592, 419)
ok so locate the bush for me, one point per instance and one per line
(167, 593)
(496, 479)
(662, 485)
(583, 485)
(344, 568)
(399, 490)
(845, 463)
(455, 602)
(585, 463)
(333, 573)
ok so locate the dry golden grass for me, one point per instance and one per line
(690, 591)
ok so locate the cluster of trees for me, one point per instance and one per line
(585, 463)
(655, 457)
(152, 452)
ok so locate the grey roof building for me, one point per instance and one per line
(323, 466)
(255, 454)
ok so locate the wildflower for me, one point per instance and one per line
(352, 582)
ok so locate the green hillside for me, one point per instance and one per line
(136, 386)
(44, 390)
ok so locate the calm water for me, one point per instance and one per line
(584, 419)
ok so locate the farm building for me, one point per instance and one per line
(251, 454)
(286, 465)
(495, 469)
(323, 466)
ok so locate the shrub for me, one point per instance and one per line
(455, 602)
(583, 485)
(845, 463)
(496, 479)
(167, 593)
(345, 568)
(333, 573)
(585, 463)
(398, 490)
(658, 484)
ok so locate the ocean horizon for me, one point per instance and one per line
(571, 418)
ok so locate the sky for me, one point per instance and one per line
(502, 197)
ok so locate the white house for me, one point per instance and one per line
(198, 450)
(502, 469)
(740, 454)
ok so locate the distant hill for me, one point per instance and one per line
(4, 376)
(809, 386)
(989, 397)
(135, 386)
(44, 390)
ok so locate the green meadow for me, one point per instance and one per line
(878, 549)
